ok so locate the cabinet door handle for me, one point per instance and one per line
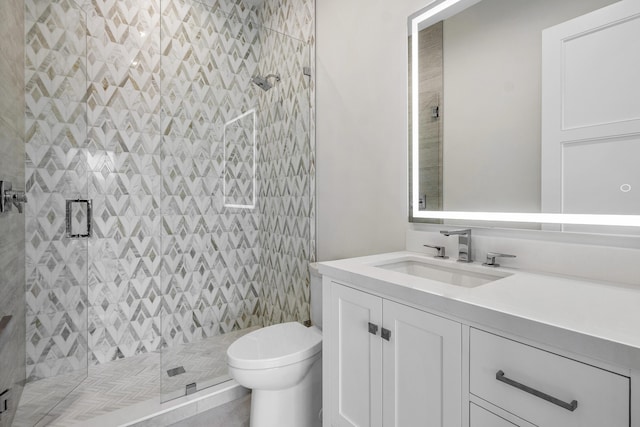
(373, 329)
(568, 406)
(385, 334)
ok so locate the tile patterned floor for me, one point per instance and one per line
(118, 384)
(232, 414)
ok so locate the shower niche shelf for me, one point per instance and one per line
(240, 161)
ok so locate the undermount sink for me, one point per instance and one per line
(458, 275)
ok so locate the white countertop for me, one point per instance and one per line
(595, 319)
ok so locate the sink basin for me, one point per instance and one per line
(465, 276)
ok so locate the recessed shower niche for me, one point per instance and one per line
(240, 161)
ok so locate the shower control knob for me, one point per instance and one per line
(9, 197)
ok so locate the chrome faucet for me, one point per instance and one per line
(464, 243)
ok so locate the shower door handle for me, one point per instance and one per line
(71, 232)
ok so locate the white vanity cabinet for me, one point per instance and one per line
(389, 364)
(401, 348)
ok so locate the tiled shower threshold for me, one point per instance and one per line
(129, 391)
(152, 413)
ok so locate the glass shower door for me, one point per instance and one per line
(209, 250)
(231, 153)
(57, 222)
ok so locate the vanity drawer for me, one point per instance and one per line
(480, 417)
(529, 377)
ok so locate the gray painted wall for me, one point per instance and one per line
(492, 74)
(361, 120)
(12, 341)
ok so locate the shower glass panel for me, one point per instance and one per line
(231, 152)
(56, 172)
(168, 173)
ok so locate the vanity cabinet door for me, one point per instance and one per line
(356, 358)
(422, 363)
(389, 364)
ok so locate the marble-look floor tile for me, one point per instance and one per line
(111, 386)
(232, 414)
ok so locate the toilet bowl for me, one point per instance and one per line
(282, 364)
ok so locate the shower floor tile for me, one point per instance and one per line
(115, 385)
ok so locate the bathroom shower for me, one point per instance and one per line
(171, 272)
(263, 82)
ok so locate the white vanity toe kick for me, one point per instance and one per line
(597, 319)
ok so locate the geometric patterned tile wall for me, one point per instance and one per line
(124, 145)
(210, 275)
(294, 18)
(167, 263)
(55, 170)
(287, 156)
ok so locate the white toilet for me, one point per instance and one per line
(282, 364)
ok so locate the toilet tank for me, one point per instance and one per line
(315, 295)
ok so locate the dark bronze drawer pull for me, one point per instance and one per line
(373, 329)
(568, 406)
(385, 334)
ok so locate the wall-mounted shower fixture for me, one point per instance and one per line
(263, 82)
(9, 198)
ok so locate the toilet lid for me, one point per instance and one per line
(274, 346)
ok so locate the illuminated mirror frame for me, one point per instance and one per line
(436, 11)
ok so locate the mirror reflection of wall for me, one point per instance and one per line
(431, 94)
(489, 124)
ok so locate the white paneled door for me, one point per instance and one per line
(591, 112)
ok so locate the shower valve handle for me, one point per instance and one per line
(10, 198)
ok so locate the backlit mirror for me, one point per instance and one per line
(526, 111)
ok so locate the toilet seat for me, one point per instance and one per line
(275, 346)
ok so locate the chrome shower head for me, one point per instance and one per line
(263, 82)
